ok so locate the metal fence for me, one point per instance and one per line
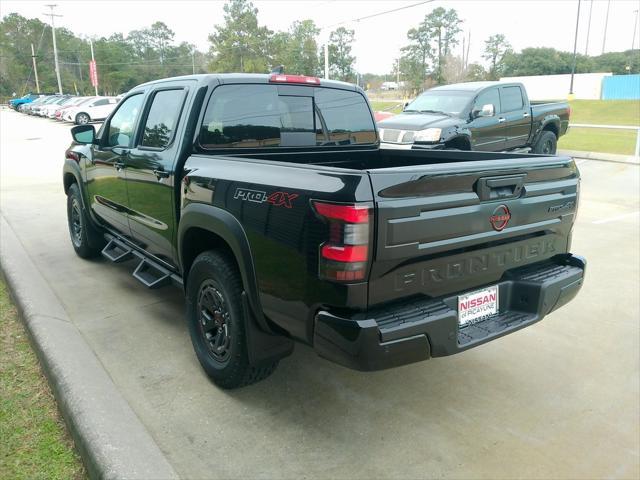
(621, 87)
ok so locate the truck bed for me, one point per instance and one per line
(372, 159)
(432, 211)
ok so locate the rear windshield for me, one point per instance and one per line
(263, 116)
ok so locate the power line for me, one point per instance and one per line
(366, 17)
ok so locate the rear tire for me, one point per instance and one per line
(82, 119)
(546, 144)
(216, 322)
(86, 240)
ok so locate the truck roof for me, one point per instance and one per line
(472, 86)
(248, 78)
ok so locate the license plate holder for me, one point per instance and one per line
(478, 305)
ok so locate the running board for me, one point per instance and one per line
(151, 275)
(116, 251)
(148, 272)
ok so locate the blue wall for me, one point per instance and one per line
(621, 87)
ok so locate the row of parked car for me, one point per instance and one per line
(66, 108)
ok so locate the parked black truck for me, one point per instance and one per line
(269, 200)
(482, 116)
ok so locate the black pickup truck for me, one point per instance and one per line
(268, 199)
(482, 116)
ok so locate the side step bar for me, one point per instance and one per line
(148, 272)
(151, 275)
(117, 252)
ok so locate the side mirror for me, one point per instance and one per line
(488, 110)
(85, 134)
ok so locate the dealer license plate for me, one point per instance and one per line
(477, 305)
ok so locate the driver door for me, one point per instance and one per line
(488, 133)
(106, 183)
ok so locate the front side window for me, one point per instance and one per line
(511, 99)
(257, 116)
(162, 118)
(489, 97)
(122, 124)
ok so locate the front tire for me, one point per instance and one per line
(82, 119)
(546, 144)
(216, 322)
(86, 240)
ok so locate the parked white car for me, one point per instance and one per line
(97, 109)
(50, 110)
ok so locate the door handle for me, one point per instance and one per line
(525, 114)
(502, 120)
(119, 165)
(160, 174)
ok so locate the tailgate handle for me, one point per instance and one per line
(497, 188)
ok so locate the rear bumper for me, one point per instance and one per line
(416, 330)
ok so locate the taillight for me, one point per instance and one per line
(344, 256)
(281, 78)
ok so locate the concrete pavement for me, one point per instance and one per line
(556, 400)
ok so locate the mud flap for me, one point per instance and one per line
(263, 348)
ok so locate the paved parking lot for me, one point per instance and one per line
(557, 400)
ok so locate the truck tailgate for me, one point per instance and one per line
(452, 227)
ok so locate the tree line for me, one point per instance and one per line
(241, 44)
(428, 58)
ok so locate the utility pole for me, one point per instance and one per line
(35, 68)
(326, 60)
(606, 23)
(575, 49)
(55, 47)
(464, 40)
(635, 24)
(468, 45)
(586, 47)
(93, 60)
(398, 73)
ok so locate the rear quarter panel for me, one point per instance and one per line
(543, 114)
(284, 233)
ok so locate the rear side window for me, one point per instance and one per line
(257, 116)
(511, 99)
(162, 118)
(101, 102)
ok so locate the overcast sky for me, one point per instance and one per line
(525, 23)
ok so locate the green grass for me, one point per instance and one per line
(393, 107)
(606, 112)
(599, 140)
(33, 441)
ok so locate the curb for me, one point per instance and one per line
(605, 157)
(113, 442)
